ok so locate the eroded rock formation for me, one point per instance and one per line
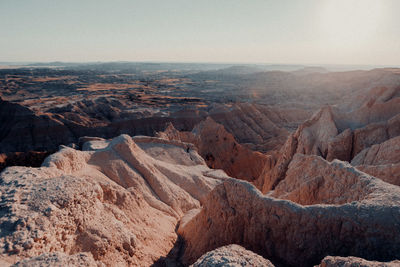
(332, 202)
(330, 187)
(60, 259)
(120, 203)
(290, 234)
(339, 134)
(330, 261)
(381, 160)
(22, 130)
(259, 127)
(220, 149)
(312, 180)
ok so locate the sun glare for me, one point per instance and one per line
(350, 23)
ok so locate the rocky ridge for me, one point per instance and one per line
(291, 234)
(333, 134)
(331, 201)
(330, 261)
(330, 189)
(120, 203)
(220, 149)
(259, 127)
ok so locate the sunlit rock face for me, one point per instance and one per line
(328, 185)
(345, 134)
(59, 259)
(381, 160)
(330, 190)
(259, 127)
(286, 233)
(220, 149)
(119, 203)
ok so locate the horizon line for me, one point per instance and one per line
(196, 62)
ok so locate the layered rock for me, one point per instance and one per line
(59, 259)
(22, 130)
(333, 134)
(317, 136)
(362, 98)
(370, 112)
(231, 255)
(120, 202)
(312, 180)
(382, 160)
(375, 133)
(221, 151)
(384, 153)
(259, 127)
(340, 146)
(331, 261)
(291, 234)
(313, 136)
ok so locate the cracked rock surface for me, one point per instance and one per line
(119, 204)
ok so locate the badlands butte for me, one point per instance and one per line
(139, 164)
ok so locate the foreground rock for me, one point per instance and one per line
(120, 203)
(330, 261)
(59, 259)
(232, 255)
(293, 235)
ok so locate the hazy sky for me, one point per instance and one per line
(252, 31)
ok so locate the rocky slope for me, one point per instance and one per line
(381, 160)
(334, 207)
(220, 149)
(256, 125)
(27, 132)
(332, 202)
(333, 133)
(330, 185)
(312, 180)
(59, 259)
(259, 127)
(290, 234)
(22, 130)
(330, 261)
(120, 202)
(235, 255)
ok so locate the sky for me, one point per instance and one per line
(365, 32)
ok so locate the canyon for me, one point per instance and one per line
(199, 165)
